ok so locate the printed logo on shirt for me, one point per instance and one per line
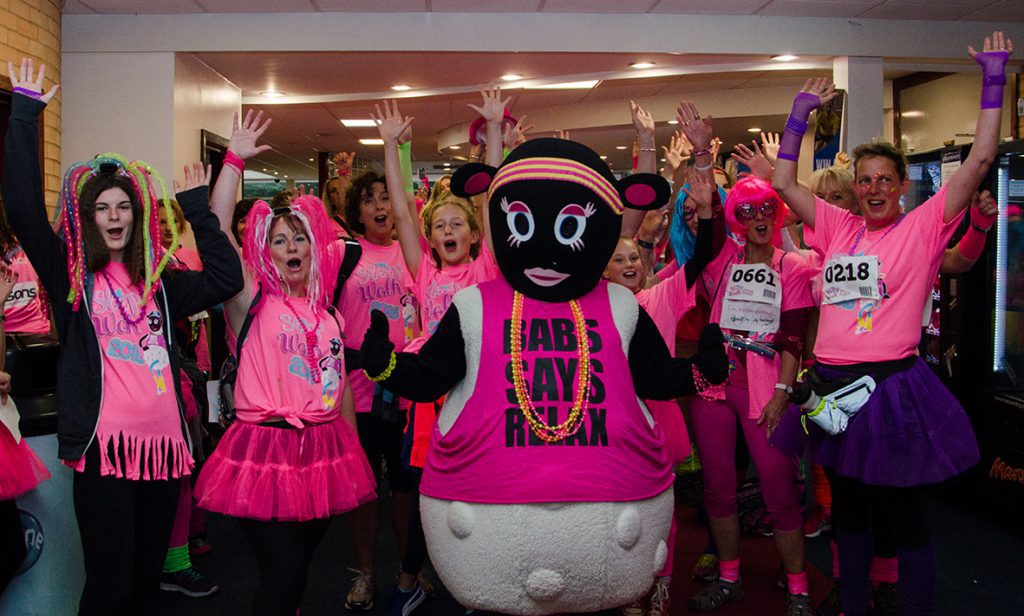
(330, 374)
(439, 297)
(23, 294)
(551, 382)
(409, 310)
(376, 281)
(154, 351)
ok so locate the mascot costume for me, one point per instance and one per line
(547, 488)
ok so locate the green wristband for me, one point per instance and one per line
(405, 164)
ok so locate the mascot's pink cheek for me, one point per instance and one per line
(639, 194)
(478, 183)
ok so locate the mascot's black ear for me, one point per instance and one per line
(472, 179)
(644, 191)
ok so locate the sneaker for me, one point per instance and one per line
(402, 602)
(188, 582)
(830, 605)
(659, 599)
(426, 582)
(818, 521)
(360, 596)
(885, 601)
(633, 609)
(706, 568)
(197, 546)
(717, 594)
(799, 605)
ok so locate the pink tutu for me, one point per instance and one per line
(20, 467)
(287, 474)
(669, 417)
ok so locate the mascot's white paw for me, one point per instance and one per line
(547, 558)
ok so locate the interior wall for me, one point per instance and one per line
(944, 109)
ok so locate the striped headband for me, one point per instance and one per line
(559, 169)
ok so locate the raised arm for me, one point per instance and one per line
(643, 127)
(393, 129)
(816, 92)
(493, 112)
(964, 182)
(241, 147)
(755, 159)
(699, 131)
(960, 258)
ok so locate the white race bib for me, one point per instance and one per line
(845, 278)
(753, 299)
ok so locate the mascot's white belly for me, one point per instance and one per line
(547, 558)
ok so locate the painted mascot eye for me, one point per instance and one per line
(570, 224)
(520, 221)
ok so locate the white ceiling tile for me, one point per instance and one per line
(598, 6)
(377, 6)
(74, 7)
(140, 6)
(920, 10)
(1005, 12)
(258, 6)
(817, 8)
(484, 6)
(709, 7)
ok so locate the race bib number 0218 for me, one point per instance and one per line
(753, 299)
(845, 278)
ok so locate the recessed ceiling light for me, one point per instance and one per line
(371, 141)
(511, 77)
(568, 85)
(358, 123)
(311, 159)
(912, 114)
(455, 147)
(264, 168)
(286, 175)
(446, 164)
(785, 57)
(603, 157)
(272, 94)
(620, 147)
(401, 87)
(275, 173)
(673, 121)
(753, 129)
(642, 65)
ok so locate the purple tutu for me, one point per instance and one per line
(286, 474)
(911, 432)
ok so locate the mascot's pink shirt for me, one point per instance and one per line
(275, 380)
(25, 309)
(490, 455)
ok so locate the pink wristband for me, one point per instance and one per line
(234, 161)
(972, 244)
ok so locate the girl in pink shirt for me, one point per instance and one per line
(291, 461)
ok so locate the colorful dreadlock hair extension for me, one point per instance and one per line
(149, 189)
(324, 261)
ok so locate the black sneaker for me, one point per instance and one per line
(885, 601)
(830, 605)
(188, 582)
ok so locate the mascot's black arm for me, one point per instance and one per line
(702, 251)
(659, 376)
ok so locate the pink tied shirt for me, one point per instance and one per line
(760, 373)
(274, 376)
(139, 415)
(490, 455)
(909, 257)
(381, 281)
(25, 309)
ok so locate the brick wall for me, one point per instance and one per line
(31, 28)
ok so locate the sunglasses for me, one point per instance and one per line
(749, 211)
(689, 213)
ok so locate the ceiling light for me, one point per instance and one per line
(286, 175)
(642, 65)
(455, 147)
(272, 94)
(753, 129)
(371, 141)
(446, 164)
(912, 114)
(620, 147)
(603, 157)
(511, 77)
(264, 168)
(673, 122)
(311, 160)
(275, 173)
(785, 57)
(568, 85)
(401, 87)
(358, 123)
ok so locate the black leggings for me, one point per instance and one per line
(283, 552)
(125, 527)
(12, 542)
(857, 507)
(415, 543)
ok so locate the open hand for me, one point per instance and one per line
(392, 126)
(697, 129)
(195, 176)
(493, 109)
(245, 135)
(755, 159)
(25, 81)
(822, 87)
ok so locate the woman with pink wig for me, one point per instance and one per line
(760, 297)
(292, 459)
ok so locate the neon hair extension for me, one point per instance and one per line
(309, 211)
(148, 186)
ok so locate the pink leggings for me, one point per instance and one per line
(714, 428)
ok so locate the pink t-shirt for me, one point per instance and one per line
(275, 380)
(190, 258)
(667, 302)
(381, 281)
(490, 454)
(436, 287)
(909, 256)
(26, 310)
(139, 415)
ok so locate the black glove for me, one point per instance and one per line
(377, 347)
(711, 359)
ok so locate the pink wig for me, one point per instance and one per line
(756, 191)
(324, 259)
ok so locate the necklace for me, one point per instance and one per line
(117, 293)
(574, 422)
(311, 341)
(864, 229)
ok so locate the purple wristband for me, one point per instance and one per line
(28, 93)
(993, 71)
(796, 125)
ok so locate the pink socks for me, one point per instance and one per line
(884, 570)
(729, 570)
(797, 583)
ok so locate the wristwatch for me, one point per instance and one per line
(786, 388)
